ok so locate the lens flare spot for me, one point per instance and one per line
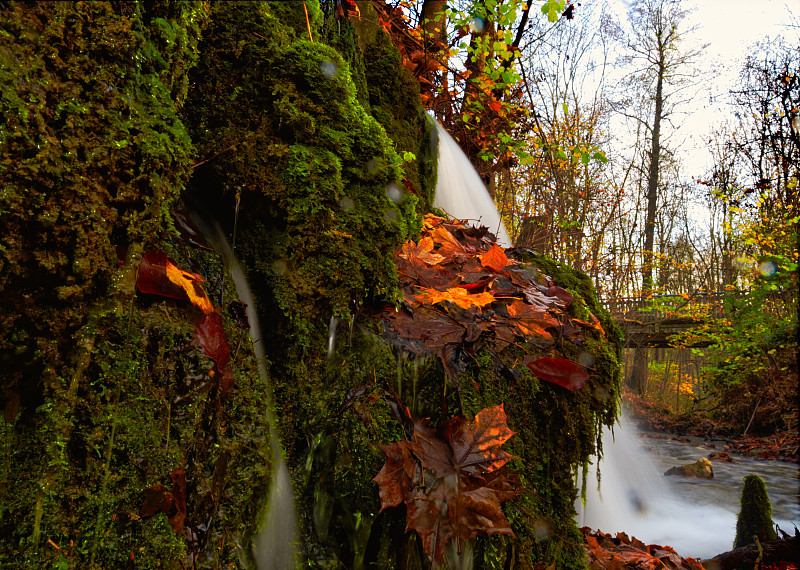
(586, 359)
(390, 215)
(347, 203)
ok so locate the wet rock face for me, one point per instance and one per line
(701, 468)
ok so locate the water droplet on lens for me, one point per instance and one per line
(280, 267)
(329, 69)
(741, 262)
(477, 24)
(767, 268)
(346, 203)
(586, 359)
(390, 215)
(394, 193)
(541, 529)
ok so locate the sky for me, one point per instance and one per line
(730, 27)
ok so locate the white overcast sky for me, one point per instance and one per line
(730, 27)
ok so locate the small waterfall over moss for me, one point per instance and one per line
(460, 191)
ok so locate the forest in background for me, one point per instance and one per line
(587, 168)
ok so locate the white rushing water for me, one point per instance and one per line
(636, 497)
(460, 191)
(275, 545)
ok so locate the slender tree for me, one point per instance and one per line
(654, 46)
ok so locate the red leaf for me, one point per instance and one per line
(562, 294)
(559, 371)
(160, 275)
(211, 338)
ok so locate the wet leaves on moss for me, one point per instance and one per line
(452, 480)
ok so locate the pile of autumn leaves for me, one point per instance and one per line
(459, 289)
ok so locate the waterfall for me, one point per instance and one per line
(460, 191)
(275, 544)
(636, 498)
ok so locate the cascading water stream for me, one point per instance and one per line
(460, 191)
(275, 545)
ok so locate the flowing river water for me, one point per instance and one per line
(697, 517)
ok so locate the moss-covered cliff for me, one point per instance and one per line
(121, 446)
(106, 393)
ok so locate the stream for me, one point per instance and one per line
(697, 517)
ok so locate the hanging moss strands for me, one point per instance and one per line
(755, 516)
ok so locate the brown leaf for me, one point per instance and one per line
(453, 483)
(564, 296)
(156, 500)
(176, 521)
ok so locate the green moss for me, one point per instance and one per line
(755, 517)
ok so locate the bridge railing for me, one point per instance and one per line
(695, 306)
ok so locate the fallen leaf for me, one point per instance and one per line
(210, 337)
(451, 482)
(559, 371)
(495, 259)
(457, 295)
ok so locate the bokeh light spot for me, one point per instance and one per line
(280, 267)
(390, 215)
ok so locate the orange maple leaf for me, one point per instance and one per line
(494, 259)
(423, 251)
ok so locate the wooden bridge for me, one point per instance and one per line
(654, 321)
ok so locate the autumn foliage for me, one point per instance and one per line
(160, 275)
(452, 480)
(460, 288)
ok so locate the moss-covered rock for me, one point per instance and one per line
(108, 398)
(755, 516)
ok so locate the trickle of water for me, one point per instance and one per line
(334, 323)
(460, 191)
(275, 545)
